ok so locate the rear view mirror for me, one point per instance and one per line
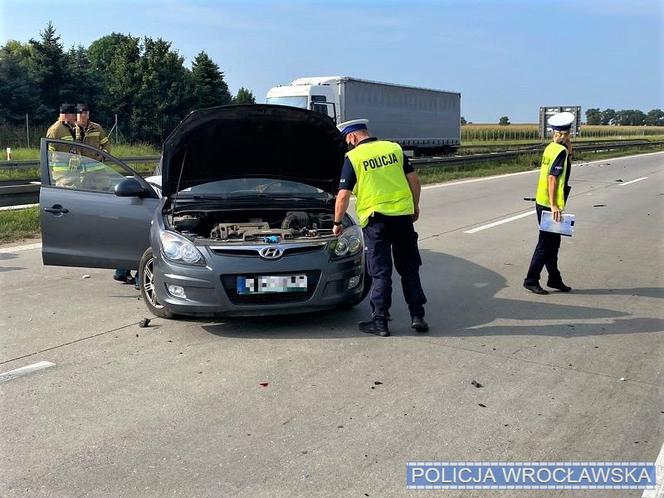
(129, 187)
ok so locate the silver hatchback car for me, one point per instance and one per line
(242, 225)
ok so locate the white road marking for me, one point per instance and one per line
(27, 247)
(633, 181)
(658, 492)
(12, 374)
(500, 222)
(16, 208)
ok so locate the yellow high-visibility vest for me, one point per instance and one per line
(548, 157)
(381, 183)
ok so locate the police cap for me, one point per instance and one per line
(353, 125)
(561, 121)
(67, 109)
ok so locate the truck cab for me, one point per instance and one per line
(316, 94)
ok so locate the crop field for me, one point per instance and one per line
(529, 132)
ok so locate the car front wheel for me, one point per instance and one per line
(146, 274)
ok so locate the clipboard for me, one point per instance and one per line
(565, 227)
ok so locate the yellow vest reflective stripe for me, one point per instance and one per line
(548, 157)
(381, 184)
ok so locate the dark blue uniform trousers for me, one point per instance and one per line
(385, 236)
(546, 254)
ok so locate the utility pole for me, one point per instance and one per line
(116, 128)
(27, 130)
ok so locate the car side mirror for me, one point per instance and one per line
(129, 187)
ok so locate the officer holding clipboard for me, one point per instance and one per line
(552, 192)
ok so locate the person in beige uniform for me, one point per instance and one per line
(64, 128)
(90, 133)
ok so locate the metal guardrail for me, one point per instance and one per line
(28, 193)
(34, 163)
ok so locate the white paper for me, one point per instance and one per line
(565, 227)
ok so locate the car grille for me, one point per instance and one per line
(229, 283)
(251, 252)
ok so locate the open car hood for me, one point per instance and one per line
(259, 141)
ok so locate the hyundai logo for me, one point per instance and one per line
(270, 253)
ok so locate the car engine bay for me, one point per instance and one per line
(262, 226)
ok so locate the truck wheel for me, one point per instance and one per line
(146, 274)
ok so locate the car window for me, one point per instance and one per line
(72, 170)
(250, 186)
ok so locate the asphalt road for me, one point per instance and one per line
(177, 409)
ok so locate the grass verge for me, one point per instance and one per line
(19, 224)
(438, 174)
(24, 223)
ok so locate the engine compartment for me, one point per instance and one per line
(251, 225)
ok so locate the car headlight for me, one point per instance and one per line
(349, 243)
(179, 250)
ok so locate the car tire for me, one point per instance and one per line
(146, 275)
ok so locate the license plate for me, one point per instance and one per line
(271, 284)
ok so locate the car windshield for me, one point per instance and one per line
(242, 187)
(291, 101)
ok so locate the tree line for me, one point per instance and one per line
(629, 117)
(142, 80)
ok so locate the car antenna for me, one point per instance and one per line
(177, 188)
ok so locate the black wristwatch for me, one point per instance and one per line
(337, 223)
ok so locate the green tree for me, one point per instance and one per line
(608, 116)
(244, 96)
(504, 121)
(17, 91)
(81, 84)
(593, 116)
(209, 87)
(655, 117)
(115, 64)
(164, 92)
(46, 69)
(630, 117)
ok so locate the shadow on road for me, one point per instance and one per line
(462, 303)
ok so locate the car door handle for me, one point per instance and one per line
(57, 209)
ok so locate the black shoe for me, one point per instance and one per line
(535, 289)
(120, 278)
(376, 327)
(559, 286)
(419, 324)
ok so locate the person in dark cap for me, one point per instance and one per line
(65, 127)
(552, 192)
(388, 194)
(90, 133)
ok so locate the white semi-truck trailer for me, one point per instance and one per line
(422, 120)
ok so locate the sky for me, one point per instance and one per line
(506, 58)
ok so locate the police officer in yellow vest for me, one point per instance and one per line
(90, 133)
(388, 193)
(552, 192)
